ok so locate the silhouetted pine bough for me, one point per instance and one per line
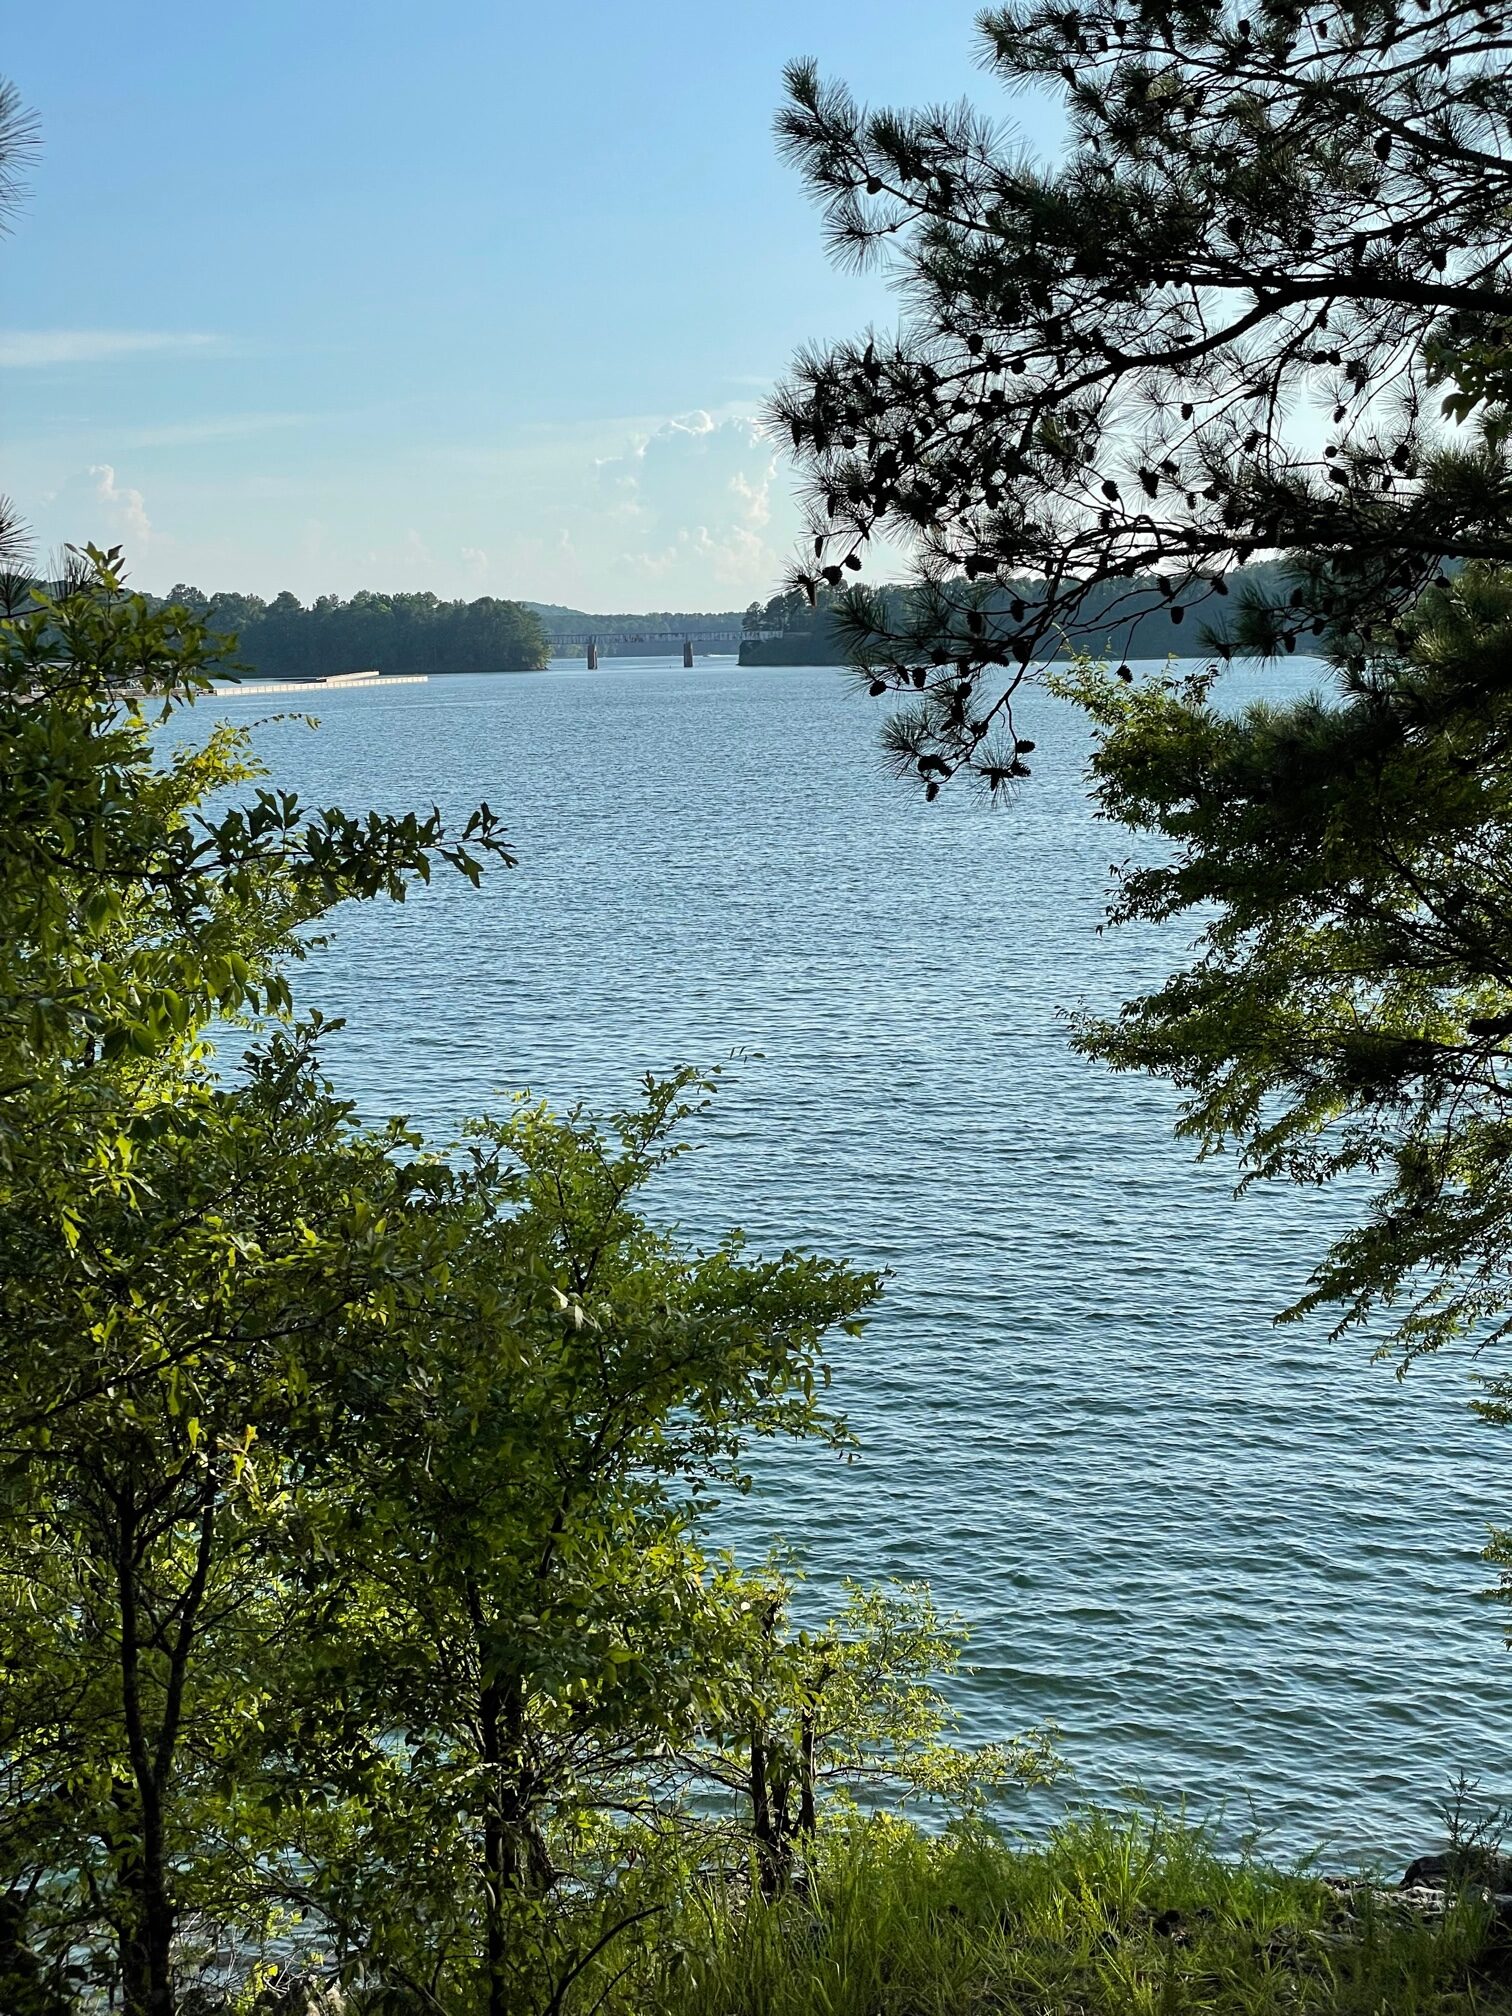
(790, 630)
(1211, 334)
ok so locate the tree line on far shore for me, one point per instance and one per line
(394, 633)
(1118, 620)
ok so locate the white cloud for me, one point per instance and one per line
(95, 505)
(690, 511)
(22, 349)
(126, 507)
(693, 502)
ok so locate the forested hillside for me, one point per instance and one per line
(1115, 620)
(421, 633)
(394, 633)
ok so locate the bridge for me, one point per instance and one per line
(648, 643)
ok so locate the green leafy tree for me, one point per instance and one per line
(352, 1584)
(529, 1603)
(133, 914)
(170, 1247)
(190, 1357)
(1344, 861)
(392, 633)
(852, 1711)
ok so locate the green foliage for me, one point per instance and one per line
(1478, 368)
(1229, 325)
(847, 1715)
(353, 1595)
(172, 1381)
(1345, 862)
(130, 914)
(1111, 1915)
(181, 1266)
(523, 1593)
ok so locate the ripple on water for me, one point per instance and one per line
(1236, 1564)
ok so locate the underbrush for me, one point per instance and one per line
(1110, 1917)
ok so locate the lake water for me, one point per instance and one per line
(1237, 1565)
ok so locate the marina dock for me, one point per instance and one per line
(339, 682)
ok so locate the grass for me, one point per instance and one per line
(1110, 1917)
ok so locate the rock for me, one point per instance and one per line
(301, 1995)
(1463, 1868)
(1433, 1871)
(1428, 1900)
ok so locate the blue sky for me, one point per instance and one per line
(468, 297)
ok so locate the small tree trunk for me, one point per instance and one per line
(126, 1918)
(135, 1984)
(157, 1922)
(147, 1947)
(806, 1817)
(506, 1824)
(765, 1824)
(496, 1873)
(147, 1954)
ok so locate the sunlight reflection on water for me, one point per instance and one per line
(1236, 1564)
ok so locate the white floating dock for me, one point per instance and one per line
(340, 682)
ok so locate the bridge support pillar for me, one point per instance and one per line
(688, 653)
(593, 654)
